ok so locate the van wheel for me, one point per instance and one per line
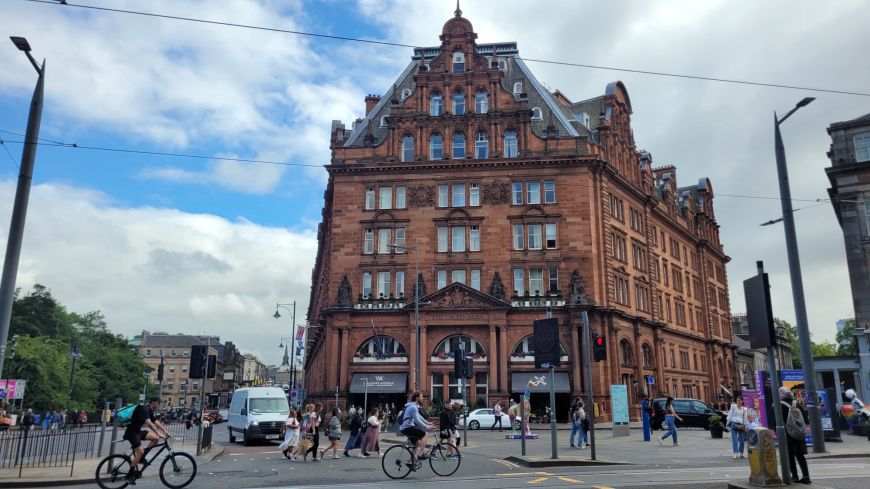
(232, 438)
(245, 440)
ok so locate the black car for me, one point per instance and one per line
(694, 413)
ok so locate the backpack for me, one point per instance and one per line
(125, 414)
(795, 425)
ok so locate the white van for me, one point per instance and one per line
(257, 413)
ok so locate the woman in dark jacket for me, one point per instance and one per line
(796, 448)
(354, 427)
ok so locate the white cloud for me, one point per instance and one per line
(163, 269)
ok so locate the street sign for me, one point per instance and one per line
(651, 380)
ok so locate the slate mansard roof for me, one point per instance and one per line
(570, 120)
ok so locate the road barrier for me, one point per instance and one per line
(34, 448)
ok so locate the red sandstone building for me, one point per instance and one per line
(516, 200)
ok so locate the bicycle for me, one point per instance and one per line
(177, 470)
(400, 460)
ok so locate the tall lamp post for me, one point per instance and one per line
(22, 196)
(277, 315)
(416, 249)
(74, 355)
(797, 285)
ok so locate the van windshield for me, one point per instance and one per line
(269, 405)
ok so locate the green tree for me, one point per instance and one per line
(847, 343)
(108, 366)
(824, 349)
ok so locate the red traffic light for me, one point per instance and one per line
(599, 341)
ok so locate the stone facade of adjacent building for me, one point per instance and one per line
(517, 202)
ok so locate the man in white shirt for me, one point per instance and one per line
(496, 410)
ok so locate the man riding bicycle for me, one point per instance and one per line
(414, 426)
(142, 416)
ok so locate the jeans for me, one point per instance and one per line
(671, 427)
(738, 440)
(575, 430)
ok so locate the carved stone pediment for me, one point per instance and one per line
(459, 296)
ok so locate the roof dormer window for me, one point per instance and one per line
(458, 63)
(502, 65)
(537, 115)
(406, 93)
(518, 88)
(384, 121)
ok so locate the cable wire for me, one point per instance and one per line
(397, 44)
(58, 144)
(12, 158)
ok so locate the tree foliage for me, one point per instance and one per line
(107, 368)
(847, 343)
(823, 349)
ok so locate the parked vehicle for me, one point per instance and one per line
(695, 413)
(484, 418)
(257, 413)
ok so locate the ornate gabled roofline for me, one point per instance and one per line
(492, 49)
(360, 128)
(446, 165)
(548, 98)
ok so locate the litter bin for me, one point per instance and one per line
(762, 459)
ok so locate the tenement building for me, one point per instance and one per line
(505, 202)
(849, 175)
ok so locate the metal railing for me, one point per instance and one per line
(33, 448)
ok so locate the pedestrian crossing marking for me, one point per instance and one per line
(568, 479)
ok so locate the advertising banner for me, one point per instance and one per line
(619, 399)
(12, 388)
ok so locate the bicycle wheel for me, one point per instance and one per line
(116, 478)
(178, 470)
(444, 459)
(397, 462)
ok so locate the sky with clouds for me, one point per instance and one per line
(185, 245)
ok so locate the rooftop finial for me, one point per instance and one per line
(458, 11)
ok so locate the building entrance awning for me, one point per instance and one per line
(541, 382)
(379, 383)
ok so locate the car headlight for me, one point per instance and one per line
(255, 423)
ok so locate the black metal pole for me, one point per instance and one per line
(19, 209)
(587, 354)
(797, 289)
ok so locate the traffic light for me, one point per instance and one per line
(599, 348)
(469, 367)
(160, 373)
(459, 364)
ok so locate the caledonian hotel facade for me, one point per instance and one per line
(516, 201)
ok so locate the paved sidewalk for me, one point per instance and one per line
(82, 472)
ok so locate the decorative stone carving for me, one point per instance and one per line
(345, 296)
(457, 297)
(496, 289)
(496, 193)
(422, 196)
(578, 290)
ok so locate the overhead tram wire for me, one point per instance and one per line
(57, 144)
(397, 44)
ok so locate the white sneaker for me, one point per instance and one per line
(660, 442)
(742, 456)
(733, 455)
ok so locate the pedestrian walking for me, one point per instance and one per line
(575, 423)
(496, 410)
(306, 433)
(28, 420)
(291, 436)
(737, 424)
(795, 438)
(752, 415)
(315, 422)
(670, 417)
(83, 417)
(334, 434)
(579, 421)
(447, 427)
(371, 440)
(355, 427)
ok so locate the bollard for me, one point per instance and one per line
(762, 459)
(115, 425)
(647, 434)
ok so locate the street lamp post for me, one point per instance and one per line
(365, 397)
(797, 286)
(22, 196)
(416, 307)
(74, 355)
(277, 315)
